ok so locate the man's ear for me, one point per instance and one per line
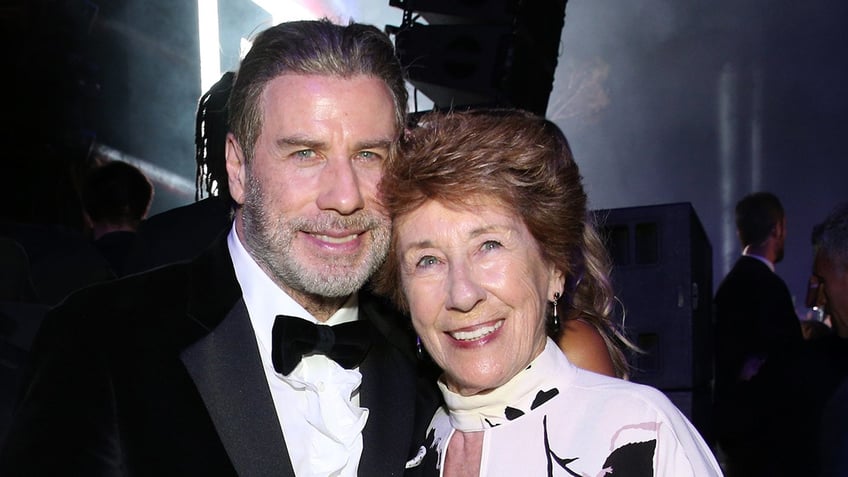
(236, 169)
(779, 229)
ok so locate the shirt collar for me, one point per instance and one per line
(265, 300)
(483, 411)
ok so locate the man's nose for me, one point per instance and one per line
(340, 188)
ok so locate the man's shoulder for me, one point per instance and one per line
(114, 303)
(155, 296)
(750, 266)
(747, 273)
(169, 279)
(211, 211)
(179, 234)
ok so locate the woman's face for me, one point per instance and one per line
(477, 289)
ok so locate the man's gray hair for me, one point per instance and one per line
(317, 47)
(832, 236)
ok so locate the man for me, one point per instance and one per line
(831, 271)
(831, 268)
(180, 371)
(116, 197)
(794, 392)
(755, 323)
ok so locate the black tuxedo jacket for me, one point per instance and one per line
(754, 316)
(159, 374)
(179, 234)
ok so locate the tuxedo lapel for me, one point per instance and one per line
(227, 370)
(389, 392)
(390, 399)
(224, 363)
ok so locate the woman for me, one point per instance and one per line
(490, 225)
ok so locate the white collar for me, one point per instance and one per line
(484, 411)
(265, 300)
(319, 401)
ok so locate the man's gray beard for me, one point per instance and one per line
(269, 240)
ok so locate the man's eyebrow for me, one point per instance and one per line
(374, 144)
(299, 141)
(303, 141)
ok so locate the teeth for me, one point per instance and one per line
(335, 240)
(476, 334)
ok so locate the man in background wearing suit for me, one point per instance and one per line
(196, 368)
(755, 322)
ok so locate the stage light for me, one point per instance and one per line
(209, 43)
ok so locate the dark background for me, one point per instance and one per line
(663, 101)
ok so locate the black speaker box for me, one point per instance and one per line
(662, 274)
(482, 53)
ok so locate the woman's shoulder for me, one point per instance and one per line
(584, 347)
(616, 393)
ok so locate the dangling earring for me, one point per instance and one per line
(555, 314)
(419, 351)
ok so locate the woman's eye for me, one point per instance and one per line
(491, 245)
(427, 261)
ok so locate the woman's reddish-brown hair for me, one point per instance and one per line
(514, 159)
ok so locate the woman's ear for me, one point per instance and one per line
(236, 172)
(557, 283)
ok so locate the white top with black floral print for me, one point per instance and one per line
(555, 419)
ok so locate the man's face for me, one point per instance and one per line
(833, 278)
(310, 215)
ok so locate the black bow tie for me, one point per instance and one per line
(346, 344)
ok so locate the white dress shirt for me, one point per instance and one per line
(318, 403)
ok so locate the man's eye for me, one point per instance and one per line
(305, 154)
(369, 156)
